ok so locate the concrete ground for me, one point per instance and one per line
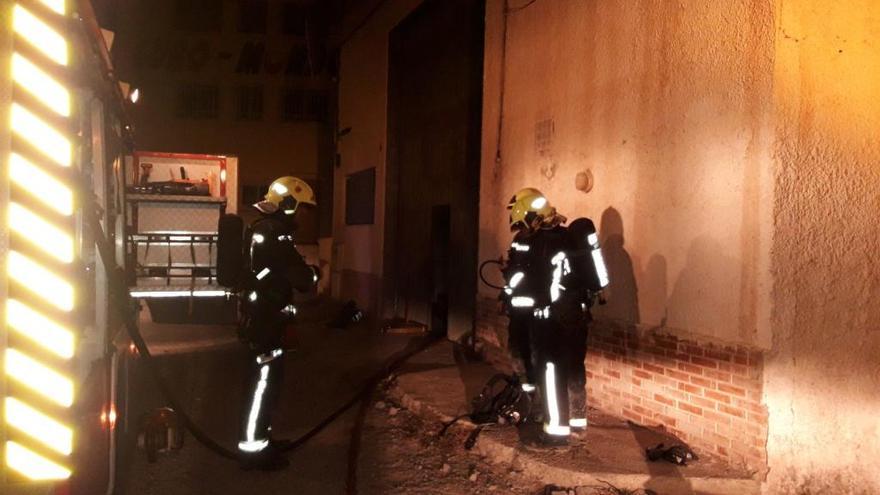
(388, 444)
(439, 383)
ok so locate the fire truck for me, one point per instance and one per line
(173, 205)
(64, 136)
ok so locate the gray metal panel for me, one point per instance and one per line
(199, 217)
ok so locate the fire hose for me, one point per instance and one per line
(483, 278)
(121, 297)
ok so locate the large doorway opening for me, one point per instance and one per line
(434, 116)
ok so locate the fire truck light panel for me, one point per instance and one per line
(40, 35)
(39, 378)
(33, 466)
(49, 432)
(39, 329)
(38, 391)
(40, 281)
(56, 5)
(42, 234)
(40, 135)
(39, 84)
(41, 185)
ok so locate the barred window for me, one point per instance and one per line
(293, 19)
(199, 16)
(252, 16)
(197, 101)
(249, 103)
(303, 105)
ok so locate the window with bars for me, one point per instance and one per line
(249, 103)
(252, 16)
(198, 15)
(198, 101)
(293, 19)
(303, 105)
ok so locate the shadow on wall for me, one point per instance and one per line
(623, 308)
(623, 293)
(696, 302)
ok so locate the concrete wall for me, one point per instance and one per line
(667, 104)
(735, 155)
(363, 83)
(823, 379)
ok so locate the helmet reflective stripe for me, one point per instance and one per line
(279, 188)
(521, 193)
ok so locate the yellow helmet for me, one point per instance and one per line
(530, 209)
(519, 194)
(286, 194)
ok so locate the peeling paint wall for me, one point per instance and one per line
(823, 379)
(667, 104)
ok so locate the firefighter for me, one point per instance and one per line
(275, 270)
(557, 286)
(518, 316)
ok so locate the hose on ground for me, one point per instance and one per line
(122, 299)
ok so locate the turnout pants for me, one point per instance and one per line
(558, 350)
(520, 346)
(261, 394)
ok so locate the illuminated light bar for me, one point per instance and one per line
(56, 5)
(36, 376)
(41, 85)
(40, 184)
(39, 34)
(177, 293)
(32, 465)
(42, 136)
(40, 281)
(41, 233)
(37, 425)
(39, 329)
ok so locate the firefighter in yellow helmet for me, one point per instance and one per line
(275, 269)
(518, 315)
(554, 282)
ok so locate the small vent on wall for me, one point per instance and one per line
(544, 131)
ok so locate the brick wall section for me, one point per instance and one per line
(708, 393)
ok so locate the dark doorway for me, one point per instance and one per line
(434, 116)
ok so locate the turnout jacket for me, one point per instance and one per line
(540, 276)
(275, 270)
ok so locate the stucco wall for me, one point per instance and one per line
(363, 100)
(823, 379)
(668, 104)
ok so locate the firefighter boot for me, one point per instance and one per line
(269, 459)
